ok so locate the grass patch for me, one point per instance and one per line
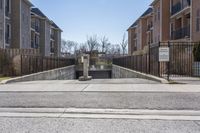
(4, 78)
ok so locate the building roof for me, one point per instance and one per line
(154, 2)
(148, 11)
(55, 26)
(38, 12)
(41, 14)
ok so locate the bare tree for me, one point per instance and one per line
(105, 44)
(124, 44)
(69, 46)
(92, 43)
(115, 50)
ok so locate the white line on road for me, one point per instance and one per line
(188, 115)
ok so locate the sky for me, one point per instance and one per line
(81, 18)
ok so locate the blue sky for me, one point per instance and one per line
(82, 18)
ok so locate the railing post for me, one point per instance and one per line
(158, 60)
(168, 75)
(149, 58)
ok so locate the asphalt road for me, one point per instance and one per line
(115, 100)
(62, 125)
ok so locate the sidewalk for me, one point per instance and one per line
(114, 85)
(186, 80)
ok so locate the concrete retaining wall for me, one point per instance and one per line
(121, 72)
(65, 73)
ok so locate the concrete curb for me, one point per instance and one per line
(45, 75)
(143, 75)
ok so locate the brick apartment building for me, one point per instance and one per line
(172, 20)
(141, 33)
(24, 27)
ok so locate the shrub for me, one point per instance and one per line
(196, 52)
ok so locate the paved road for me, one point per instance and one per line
(133, 100)
(99, 94)
(67, 125)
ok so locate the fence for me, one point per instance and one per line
(7, 55)
(136, 62)
(181, 61)
(15, 62)
(33, 64)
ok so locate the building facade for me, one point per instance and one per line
(170, 20)
(45, 34)
(15, 23)
(140, 34)
(24, 27)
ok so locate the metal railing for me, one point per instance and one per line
(181, 63)
(181, 33)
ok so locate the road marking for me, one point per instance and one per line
(186, 115)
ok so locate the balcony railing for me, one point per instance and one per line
(180, 6)
(181, 33)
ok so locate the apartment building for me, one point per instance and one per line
(14, 23)
(40, 32)
(170, 20)
(185, 20)
(161, 20)
(140, 34)
(45, 34)
(55, 43)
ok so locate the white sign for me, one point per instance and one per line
(163, 54)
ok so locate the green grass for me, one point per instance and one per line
(4, 78)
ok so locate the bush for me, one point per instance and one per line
(196, 52)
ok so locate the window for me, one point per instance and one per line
(1, 4)
(158, 13)
(7, 36)
(7, 10)
(198, 21)
(1, 34)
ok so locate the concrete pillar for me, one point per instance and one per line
(85, 60)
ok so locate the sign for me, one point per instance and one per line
(164, 54)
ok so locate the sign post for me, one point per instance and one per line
(164, 54)
(165, 57)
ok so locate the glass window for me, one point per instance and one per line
(1, 34)
(1, 4)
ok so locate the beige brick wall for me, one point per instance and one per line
(165, 20)
(195, 8)
(131, 42)
(156, 22)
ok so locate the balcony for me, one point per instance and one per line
(180, 6)
(181, 33)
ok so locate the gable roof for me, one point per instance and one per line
(148, 11)
(38, 12)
